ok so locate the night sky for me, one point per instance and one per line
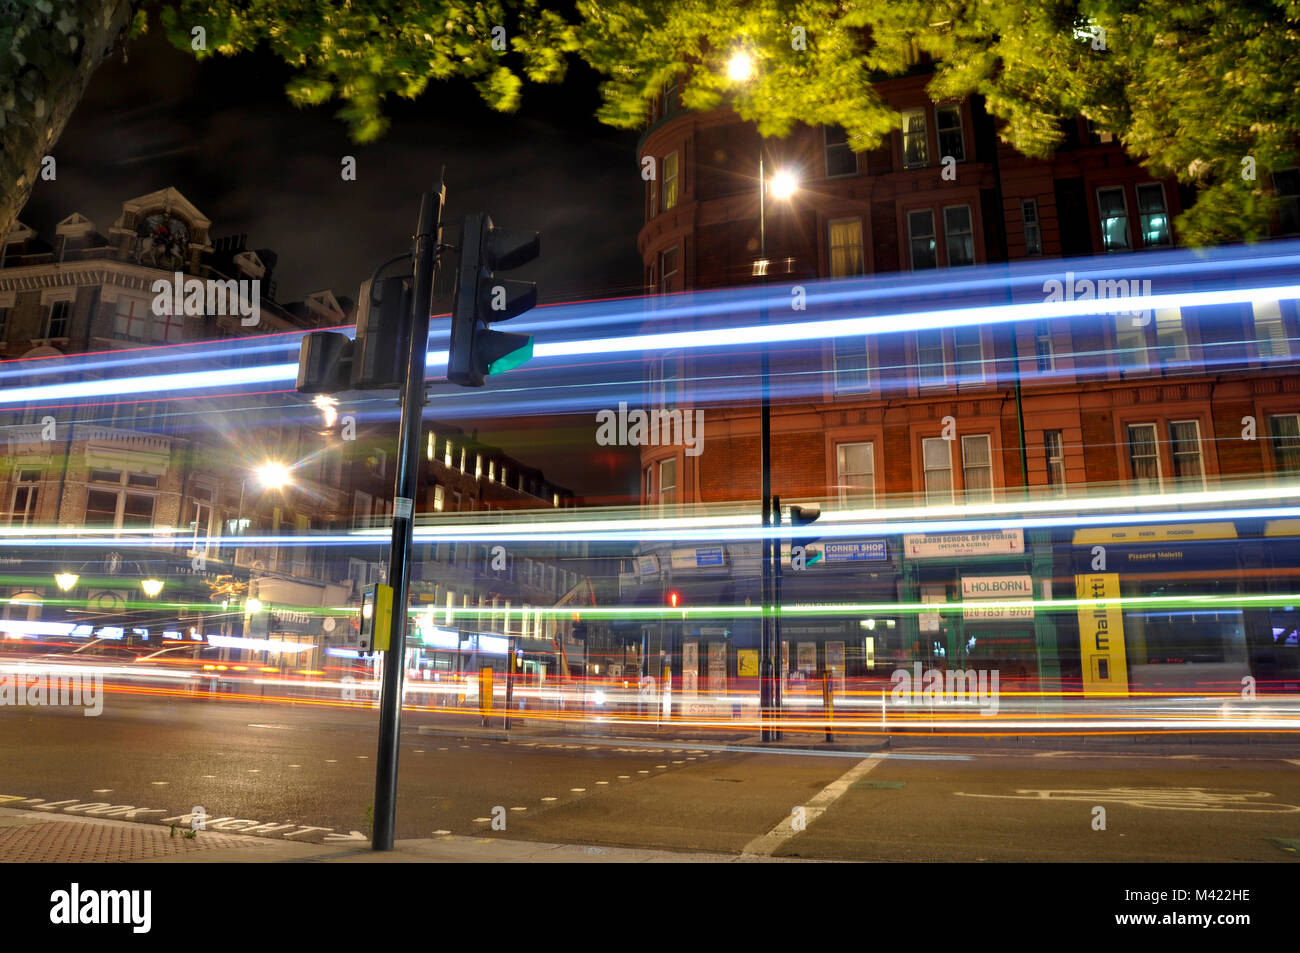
(224, 134)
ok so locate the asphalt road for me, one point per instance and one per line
(307, 774)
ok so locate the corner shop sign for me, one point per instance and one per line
(941, 545)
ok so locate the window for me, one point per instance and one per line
(478, 466)
(977, 467)
(846, 247)
(455, 501)
(492, 471)
(1033, 233)
(958, 235)
(920, 233)
(1144, 457)
(969, 348)
(439, 497)
(667, 482)
(200, 524)
(670, 181)
(1285, 431)
(1154, 217)
(1130, 344)
(1114, 219)
(937, 457)
(931, 368)
(462, 459)
(856, 474)
(168, 327)
(23, 511)
(663, 373)
(947, 120)
(361, 510)
(916, 147)
(668, 267)
(840, 157)
(119, 509)
(648, 483)
(1054, 448)
(447, 455)
(4, 321)
(1043, 353)
(431, 446)
(1271, 339)
(1185, 449)
(852, 371)
(1171, 336)
(1286, 186)
(56, 319)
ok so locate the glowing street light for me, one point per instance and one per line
(151, 587)
(273, 475)
(783, 184)
(253, 605)
(740, 68)
(66, 580)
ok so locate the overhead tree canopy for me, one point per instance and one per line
(1203, 90)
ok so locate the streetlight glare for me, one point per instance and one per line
(253, 605)
(151, 587)
(740, 67)
(66, 580)
(783, 184)
(273, 475)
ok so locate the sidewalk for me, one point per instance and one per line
(33, 837)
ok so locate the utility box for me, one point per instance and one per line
(376, 618)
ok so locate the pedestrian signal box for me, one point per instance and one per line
(376, 617)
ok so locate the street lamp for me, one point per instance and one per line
(151, 587)
(273, 475)
(66, 580)
(740, 68)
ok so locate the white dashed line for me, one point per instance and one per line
(442, 832)
(159, 783)
(102, 791)
(519, 809)
(577, 790)
(767, 844)
(550, 799)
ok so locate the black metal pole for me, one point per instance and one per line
(765, 469)
(424, 253)
(776, 622)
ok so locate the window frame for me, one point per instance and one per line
(926, 470)
(847, 499)
(1164, 210)
(831, 246)
(827, 146)
(953, 109)
(1155, 441)
(924, 161)
(1036, 225)
(1128, 237)
(912, 238)
(1200, 451)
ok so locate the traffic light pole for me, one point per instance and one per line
(424, 254)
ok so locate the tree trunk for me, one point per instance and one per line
(46, 61)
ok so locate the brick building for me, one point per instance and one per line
(1095, 404)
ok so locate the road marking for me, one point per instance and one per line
(624, 777)
(331, 760)
(519, 809)
(254, 770)
(158, 783)
(679, 762)
(281, 727)
(643, 772)
(441, 833)
(363, 757)
(661, 765)
(577, 790)
(550, 799)
(352, 835)
(481, 820)
(767, 844)
(103, 791)
(295, 766)
(212, 777)
(602, 782)
(1292, 761)
(1160, 799)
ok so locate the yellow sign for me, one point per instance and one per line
(1158, 533)
(747, 662)
(1101, 635)
(1282, 528)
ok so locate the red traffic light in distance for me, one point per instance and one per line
(674, 598)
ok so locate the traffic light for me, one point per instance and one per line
(801, 554)
(325, 363)
(482, 299)
(379, 352)
(674, 598)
